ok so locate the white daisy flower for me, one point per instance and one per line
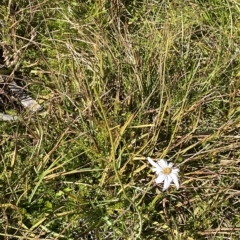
(165, 173)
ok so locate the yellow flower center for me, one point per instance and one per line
(167, 170)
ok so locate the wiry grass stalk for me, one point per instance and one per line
(120, 81)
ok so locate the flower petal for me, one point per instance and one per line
(170, 165)
(175, 170)
(167, 182)
(157, 170)
(175, 179)
(162, 163)
(152, 162)
(160, 178)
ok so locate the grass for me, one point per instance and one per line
(120, 81)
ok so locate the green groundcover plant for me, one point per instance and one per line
(120, 81)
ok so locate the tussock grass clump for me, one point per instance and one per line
(120, 81)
